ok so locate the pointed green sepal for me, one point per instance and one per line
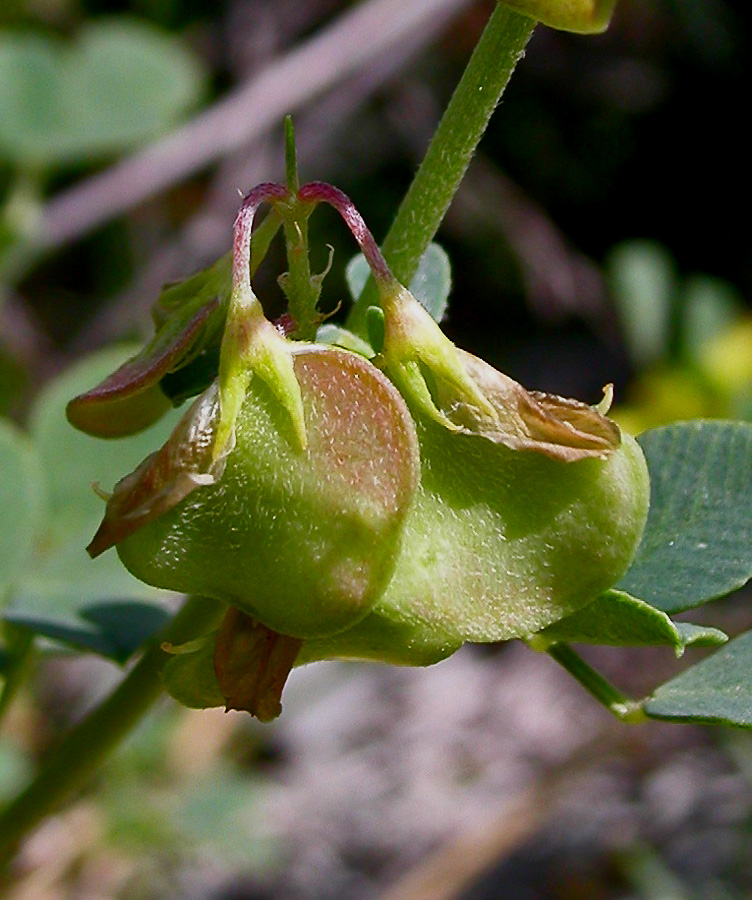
(415, 349)
(468, 396)
(252, 346)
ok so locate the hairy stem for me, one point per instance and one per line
(300, 286)
(88, 744)
(501, 46)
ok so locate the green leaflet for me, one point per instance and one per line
(617, 619)
(697, 543)
(58, 591)
(717, 690)
(430, 285)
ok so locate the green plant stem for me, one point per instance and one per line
(85, 747)
(463, 124)
(616, 702)
(20, 645)
(301, 288)
(291, 157)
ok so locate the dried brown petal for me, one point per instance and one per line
(557, 427)
(164, 478)
(252, 663)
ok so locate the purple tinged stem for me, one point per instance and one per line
(267, 191)
(320, 191)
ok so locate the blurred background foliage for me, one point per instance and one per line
(596, 239)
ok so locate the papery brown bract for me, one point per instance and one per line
(165, 477)
(558, 427)
(251, 663)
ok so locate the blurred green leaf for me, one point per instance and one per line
(21, 502)
(718, 689)
(62, 593)
(112, 628)
(73, 461)
(710, 306)
(120, 83)
(430, 285)
(224, 812)
(356, 275)
(697, 543)
(432, 281)
(12, 376)
(642, 279)
(617, 619)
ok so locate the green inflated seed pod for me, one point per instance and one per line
(500, 542)
(530, 505)
(304, 540)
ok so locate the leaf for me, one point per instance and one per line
(617, 619)
(697, 543)
(73, 461)
(222, 812)
(716, 690)
(61, 592)
(432, 281)
(430, 285)
(15, 769)
(120, 83)
(189, 318)
(21, 503)
(700, 635)
(112, 628)
(13, 374)
(341, 337)
(711, 308)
